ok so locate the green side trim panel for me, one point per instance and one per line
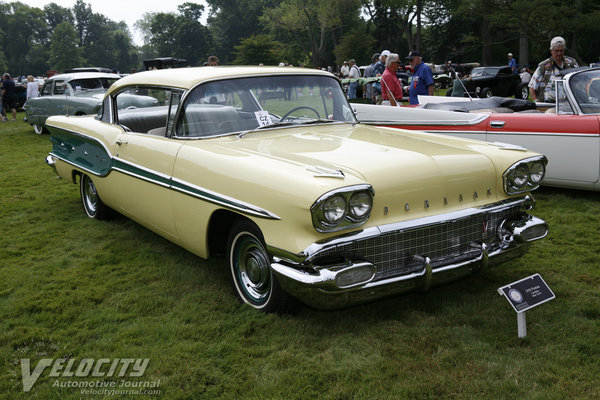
(90, 155)
(81, 151)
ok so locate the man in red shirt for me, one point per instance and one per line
(391, 90)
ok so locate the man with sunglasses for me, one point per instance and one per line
(541, 86)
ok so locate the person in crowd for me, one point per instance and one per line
(353, 73)
(2, 112)
(541, 85)
(422, 78)
(9, 97)
(391, 89)
(378, 70)
(512, 63)
(449, 70)
(33, 90)
(370, 73)
(525, 75)
(459, 84)
(213, 61)
(345, 70)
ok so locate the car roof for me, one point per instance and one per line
(186, 78)
(83, 75)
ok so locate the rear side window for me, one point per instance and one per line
(47, 89)
(59, 87)
(146, 109)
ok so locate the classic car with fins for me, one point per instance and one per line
(566, 131)
(270, 167)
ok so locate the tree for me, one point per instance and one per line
(358, 45)
(320, 22)
(231, 21)
(83, 14)
(177, 35)
(258, 49)
(23, 27)
(56, 14)
(63, 53)
(391, 24)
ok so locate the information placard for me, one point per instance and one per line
(527, 293)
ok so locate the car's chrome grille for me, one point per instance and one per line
(402, 252)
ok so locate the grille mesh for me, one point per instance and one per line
(444, 243)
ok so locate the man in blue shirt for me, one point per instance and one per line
(422, 78)
(512, 63)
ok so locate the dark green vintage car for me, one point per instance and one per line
(78, 93)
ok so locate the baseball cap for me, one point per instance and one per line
(385, 53)
(510, 54)
(412, 54)
(375, 56)
(557, 41)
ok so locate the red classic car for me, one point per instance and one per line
(567, 132)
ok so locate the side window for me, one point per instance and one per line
(146, 109)
(47, 89)
(59, 87)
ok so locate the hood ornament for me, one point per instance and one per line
(324, 172)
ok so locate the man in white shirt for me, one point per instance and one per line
(354, 73)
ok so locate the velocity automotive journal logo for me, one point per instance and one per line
(119, 370)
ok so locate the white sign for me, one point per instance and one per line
(263, 118)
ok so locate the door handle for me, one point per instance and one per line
(497, 124)
(121, 141)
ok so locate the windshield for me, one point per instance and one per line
(483, 71)
(88, 84)
(586, 89)
(247, 104)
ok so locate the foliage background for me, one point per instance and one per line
(315, 33)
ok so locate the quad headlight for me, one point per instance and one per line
(342, 208)
(525, 175)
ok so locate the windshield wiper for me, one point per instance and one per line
(273, 125)
(318, 121)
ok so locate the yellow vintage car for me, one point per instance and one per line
(270, 167)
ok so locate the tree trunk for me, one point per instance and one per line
(523, 49)
(486, 42)
(419, 11)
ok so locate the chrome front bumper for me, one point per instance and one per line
(354, 278)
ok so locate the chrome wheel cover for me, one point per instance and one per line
(251, 268)
(90, 197)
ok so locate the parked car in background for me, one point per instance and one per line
(567, 132)
(78, 93)
(304, 202)
(495, 81)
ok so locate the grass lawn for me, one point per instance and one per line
(79, 289)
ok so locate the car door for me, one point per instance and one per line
(571, 143)
(504, 81)
(145, 156)
(40, 108)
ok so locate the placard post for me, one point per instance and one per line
(522, 324)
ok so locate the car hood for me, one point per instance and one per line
(408, 170)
